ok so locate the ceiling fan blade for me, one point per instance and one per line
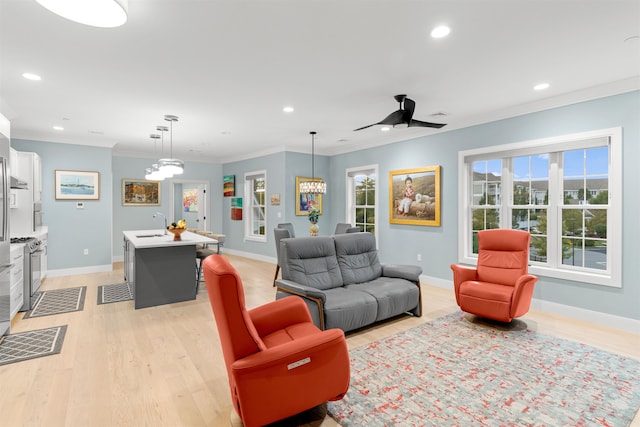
(392, 119)
(421, 124)
(364, 127)
(410, 107)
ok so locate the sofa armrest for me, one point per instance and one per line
(302, 290)
(279, 314)
(408, 272)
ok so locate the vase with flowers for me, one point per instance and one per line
(314, 216)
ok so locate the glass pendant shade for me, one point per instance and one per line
(153, 173)
(171, 166)
(314, 186)
(96, 13)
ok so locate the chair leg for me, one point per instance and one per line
(276, 276)
(199, 274)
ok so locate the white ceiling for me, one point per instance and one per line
(227, 68)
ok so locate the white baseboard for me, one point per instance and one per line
(249, 255)
(603, 319)
(80, 270)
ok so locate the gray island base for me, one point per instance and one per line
(161, 270)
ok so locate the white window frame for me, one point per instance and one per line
(249, 178)
(350, 184)
(613, 275)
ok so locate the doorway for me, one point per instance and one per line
(189, 201)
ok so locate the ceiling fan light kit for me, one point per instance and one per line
(313, 186)
(403, 116)
(95, 13)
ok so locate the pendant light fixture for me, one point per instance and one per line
(165, 173)
(170, 165)
(313, 186)
(96, 13)
(153, 173)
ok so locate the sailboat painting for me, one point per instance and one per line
(77, 185)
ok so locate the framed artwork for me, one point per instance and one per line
(77, 185)
(304, 202)
(236, 209)
(229, 185)
(140, 192)
(190, 202)
(414, 196)
(275, 199)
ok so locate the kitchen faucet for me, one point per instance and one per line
(166, 224)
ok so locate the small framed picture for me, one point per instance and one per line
(229, 185)
(77, 185)
(275, 199)
(140, 192)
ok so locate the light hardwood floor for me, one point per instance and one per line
(163, 366)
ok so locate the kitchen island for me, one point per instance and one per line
(159, 269)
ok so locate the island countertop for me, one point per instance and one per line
(157, 239)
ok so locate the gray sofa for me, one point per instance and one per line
(343, 283)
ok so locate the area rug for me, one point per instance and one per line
(58, 301)
(29, 345)
(116, 292)
(453, 372)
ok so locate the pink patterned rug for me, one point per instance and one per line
(453, 372)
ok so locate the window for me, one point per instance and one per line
(362, 197)
(565, 191)
(255, 190)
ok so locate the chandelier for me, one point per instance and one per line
(314, 186)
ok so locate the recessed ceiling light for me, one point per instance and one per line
(541, 86)
(31, 76)
(385, 128)
(288, 109)
(440, 31)
(58, 128)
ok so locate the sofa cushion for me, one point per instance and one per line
(349, 309)
(394, 296)
(310, 261)
(357, 257)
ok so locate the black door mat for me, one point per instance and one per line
(115, 293)
(32, 344)
(58, 301)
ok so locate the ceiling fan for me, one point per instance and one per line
(404, 116)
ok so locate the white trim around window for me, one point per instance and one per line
(255, 207)
(350, 202)
(556, 206)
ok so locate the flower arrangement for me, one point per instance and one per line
(314, 215)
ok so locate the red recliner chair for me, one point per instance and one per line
(500, 288)
(278, 362)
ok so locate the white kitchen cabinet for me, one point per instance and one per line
(16, 279)
(14, 164)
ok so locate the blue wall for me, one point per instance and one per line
(438, 245)
(72, 230)
(99, 226)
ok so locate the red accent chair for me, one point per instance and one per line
(278, 362)
(500, 288)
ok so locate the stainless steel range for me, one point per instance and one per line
(32, 274)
